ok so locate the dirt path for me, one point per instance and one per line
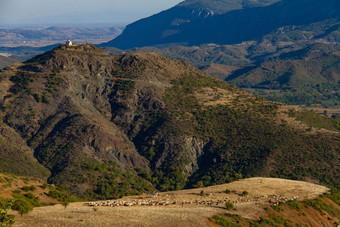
(186, 212)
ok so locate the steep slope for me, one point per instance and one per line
(71, 135)
(6, 61)
(223, 22)
(97, 121)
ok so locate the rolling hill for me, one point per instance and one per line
(106, 126)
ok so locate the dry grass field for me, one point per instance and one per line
(185, 208)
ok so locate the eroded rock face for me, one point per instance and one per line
(195, 149)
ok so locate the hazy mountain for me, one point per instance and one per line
(23, 53)
(223, 22)
(97, 121)
(38, 37)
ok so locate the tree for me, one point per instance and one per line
(5, 219)
(22, 206)
(65, 204)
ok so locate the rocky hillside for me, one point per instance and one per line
(6, 61)
(105, 126)
(229, 22)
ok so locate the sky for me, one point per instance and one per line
(63, 12)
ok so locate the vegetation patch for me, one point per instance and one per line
(223, 221)
(124, 87)
(318, 121)
(21, 81)
(62, 195)
(52, 82)
(114, 183)
(5, 218)
(321, 206)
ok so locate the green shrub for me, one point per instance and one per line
(125, 87)
(223, 222)
(202, 193)
(277, 208)
(227, 191)
(29, 188)
(244, 193)
(229, 205)
(294, 204)
(277, 219)
(17, 192)
(199, 184)
(22, 206)
(44, 186)
(62, 195)
(28, 197)
(333, 195)
(320, 205)
(5, 218)
(237, 176)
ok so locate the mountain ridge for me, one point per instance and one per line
(106, 126)
(231, 27)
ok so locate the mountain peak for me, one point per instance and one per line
(64, 57)
(223, 6)
(196, 22)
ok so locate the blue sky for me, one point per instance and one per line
(115, 12)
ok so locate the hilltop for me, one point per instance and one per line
(107, 126)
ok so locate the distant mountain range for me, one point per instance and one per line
(106, 126)
(235, 40)
(197, 22)
(14, 37)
